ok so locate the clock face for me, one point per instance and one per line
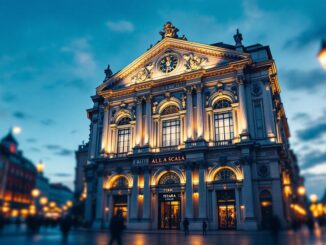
(168, 63)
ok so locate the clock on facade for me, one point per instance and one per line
(168, 63)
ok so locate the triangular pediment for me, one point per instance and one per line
(171, 57)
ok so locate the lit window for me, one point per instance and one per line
(169, 178)
(123, 140)
(223, 124)
(120, 182)
(171, 132)
(259, 123)
(225, 175)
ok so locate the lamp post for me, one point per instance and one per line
(301, 190)
(322, 54)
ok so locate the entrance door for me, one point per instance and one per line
(120, 202)
(169, 211)
(226, 209)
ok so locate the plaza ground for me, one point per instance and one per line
(53, 236)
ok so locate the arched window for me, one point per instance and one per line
(222, 104)
(169, 178)
(124, 121)
(223, 123)
(225, 175)
(170, 127)
(120, 182)
(171, 109)
(123, 135)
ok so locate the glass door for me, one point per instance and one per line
(226, 216)
(169, 215)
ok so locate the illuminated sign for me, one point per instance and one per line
(168, 159)
(169, 197)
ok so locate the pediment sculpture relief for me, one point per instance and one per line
(194, 62)
(144, 74)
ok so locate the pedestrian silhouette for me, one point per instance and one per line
(311, 225)
(275, 228)
(204, 227)
(65, 226)
(116, 228)
(186, 226)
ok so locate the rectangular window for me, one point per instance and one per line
(171, 132)
(259, 120)
(123, 140)
(223, 124)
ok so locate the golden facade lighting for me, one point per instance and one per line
(322, 54)
(35, 193)
(301, 190)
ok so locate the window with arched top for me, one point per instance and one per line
(169, 178)
(120, 182)
(222, 104)
(225, 175)
(223, 123)
(170, 126)
(124, 121)
(123, 135)
(171, 109)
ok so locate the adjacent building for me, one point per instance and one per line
(60, 194)
(17, 176)
(81, 161)
(191, 130)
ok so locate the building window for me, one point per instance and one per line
(259, 123)
(223, 124)
(171, 109)
(171, 132)
(222, 104)
(120, 182)
(169, 178)
(225, 175)
(123, 140)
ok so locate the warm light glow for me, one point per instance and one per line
(301, 190)
(16, 130)
(298, 209)
(242, 206)
(43, 200)
(24, 212)
(69, 203)
(322, 57)
(5, 209)
(265, 203)
(52, 204)
(107, 209)
(45, 209)
(313, 198)
(40, 167)
(14, 213)
(35, 193)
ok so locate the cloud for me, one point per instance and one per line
(35, 149)
(313, 159)
(47, 122)
(52, 147)
(313, 33)
(73, 131)
(61, 175)
(301, 116)
(31, 140)
(304, 80)
(20, 115)
(312, 133)
(64, 152)
(8, 97)
(120, 26)
(314, 176)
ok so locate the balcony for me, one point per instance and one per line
(169, 148)
(222, 143)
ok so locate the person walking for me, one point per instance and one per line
(65, 226)
(204, 227)
(116, 228)
(186, 226)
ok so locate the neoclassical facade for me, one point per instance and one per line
(190, 130)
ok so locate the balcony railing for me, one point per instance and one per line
(169, 148)
(222, 142)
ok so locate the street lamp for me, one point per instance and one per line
(35, 193)
(313, 198)
(301, 190)
(43, 201)
(322, 54)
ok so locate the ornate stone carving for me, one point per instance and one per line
(108, 73)
(169, 30)
(194, 62)
(154, 106)
(143, 74)
(184, 101)
(256, 89)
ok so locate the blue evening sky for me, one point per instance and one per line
(53, 53)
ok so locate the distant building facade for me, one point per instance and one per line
(17, 175)
(60, 194)
(81, 162)
(191, 130)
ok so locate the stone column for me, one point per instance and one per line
(134, 197)
(189, 114)
(100, 196)
(148, 121)
(200, 118)
(189, 192)
(93, 136)
(114, 140)
(214, 205)
(139, 122)
(247, 197)
(110, 206)
(202, 193)
(88, 202)
(104, 145)
(147, 195)
(243, 109)
(268, 112)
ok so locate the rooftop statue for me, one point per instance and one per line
(108, 73)
(169, 30)
(238, 38)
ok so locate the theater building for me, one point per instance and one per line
(190, 130)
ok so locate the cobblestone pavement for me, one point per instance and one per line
(53, 236)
